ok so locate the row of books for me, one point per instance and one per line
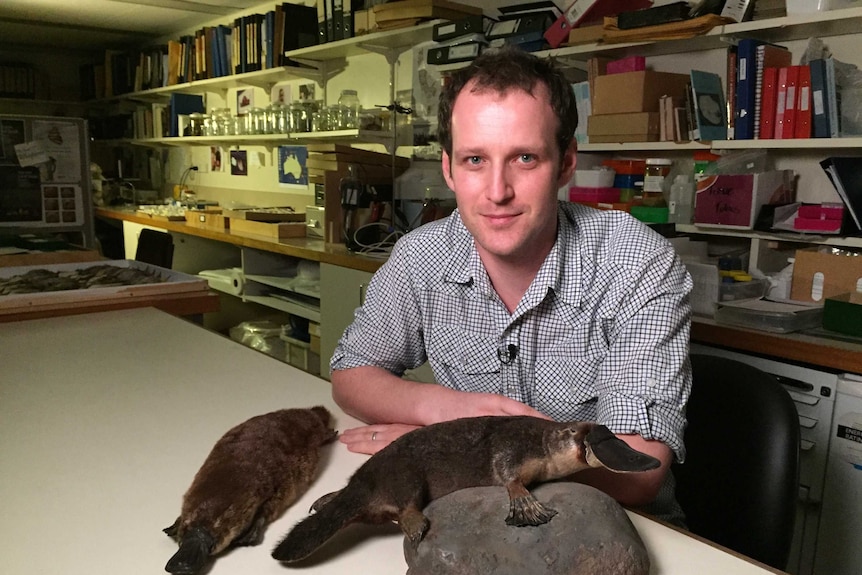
(249, 43)
(770, 98)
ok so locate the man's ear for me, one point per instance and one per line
(568, 163)
(447, 170)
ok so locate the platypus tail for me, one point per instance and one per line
(193, 553)
(315, 530)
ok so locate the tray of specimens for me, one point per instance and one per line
(31, 286)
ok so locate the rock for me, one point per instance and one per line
(590, 535)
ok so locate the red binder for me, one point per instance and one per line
(803, 104)
(788, 129)
(780, 102)
(768, 101)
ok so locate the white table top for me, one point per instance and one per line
(105, 418)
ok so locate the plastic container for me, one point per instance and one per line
(655, 181)
(773, 320)
(596, 178)
(681, 203)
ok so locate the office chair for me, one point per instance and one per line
(155, 248)
(740, 480)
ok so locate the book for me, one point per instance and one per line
(803, 104)
(767, 55)
(819, 107)
(768, 103)
(709, 106)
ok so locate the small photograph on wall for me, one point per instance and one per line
(244, 101)
(216, 164)
(238, 163)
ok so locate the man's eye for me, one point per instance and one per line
(527, 158)
(474, 160)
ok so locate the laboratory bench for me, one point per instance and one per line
(106, 418)
(832, 353)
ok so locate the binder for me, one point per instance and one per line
(581, 11)
(747, 66)
(300, 27)
(819, 107)
(731, 92)
(780, 102)
(523, 24)
(322, 17)
(338, 19)
(803, 104)
(767, 56)
(832, 99)
(768, 102)
(846, 175)
(455, 53)
(473, 24)
(788, 128)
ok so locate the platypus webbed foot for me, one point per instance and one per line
(414, 525)
(527, 510)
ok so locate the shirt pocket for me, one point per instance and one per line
(463, 360)
(566, 387)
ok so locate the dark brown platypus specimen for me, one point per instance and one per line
(251, 476)
(397, 482)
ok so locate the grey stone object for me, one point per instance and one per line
(590, 535)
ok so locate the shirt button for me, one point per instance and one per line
(652, 382)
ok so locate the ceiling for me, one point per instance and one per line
(96, 24)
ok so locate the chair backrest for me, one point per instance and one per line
(156, 248)
(740, 480)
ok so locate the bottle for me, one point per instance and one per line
(680, 206)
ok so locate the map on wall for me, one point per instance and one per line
(292, 169)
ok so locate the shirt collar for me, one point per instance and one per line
(465, 266)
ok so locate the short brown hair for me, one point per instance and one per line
(503, 69)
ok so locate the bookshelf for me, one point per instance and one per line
(317, 63)
(769, 251)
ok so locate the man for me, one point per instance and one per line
(522, 304)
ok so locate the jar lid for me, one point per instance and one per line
(659, 162)
(348, 92)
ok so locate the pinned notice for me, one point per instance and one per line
(32, 153)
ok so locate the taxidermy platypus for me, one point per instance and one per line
(397, 482)
(251, 476)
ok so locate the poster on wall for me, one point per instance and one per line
(61, 142)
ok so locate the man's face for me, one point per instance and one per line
(505, 170)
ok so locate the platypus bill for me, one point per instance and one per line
(396, 483)
(251, 476)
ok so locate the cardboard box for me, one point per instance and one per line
(823, 272)
(734, 201)
(636, 91)
(275, 230)
(585, 35)
(629, 127)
